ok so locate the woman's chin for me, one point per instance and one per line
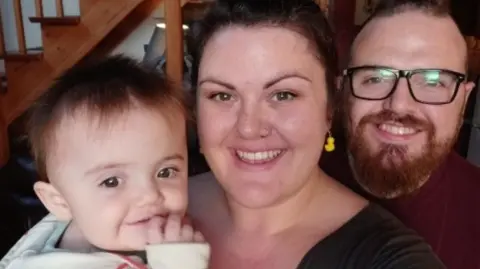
(251, 193)
(254, 198)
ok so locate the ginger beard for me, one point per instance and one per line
(392, 171)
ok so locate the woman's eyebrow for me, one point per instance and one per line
(216, 81)
(283, 76)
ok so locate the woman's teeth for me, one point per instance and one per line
(259, 156)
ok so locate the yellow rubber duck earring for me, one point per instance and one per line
(330, 145)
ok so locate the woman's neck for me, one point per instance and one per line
(281, 216)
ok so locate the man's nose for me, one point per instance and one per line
(401, 100)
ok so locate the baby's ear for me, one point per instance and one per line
(53, 200)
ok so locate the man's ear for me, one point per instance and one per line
(468, 88)
(53, 200)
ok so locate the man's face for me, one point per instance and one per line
(397, 142)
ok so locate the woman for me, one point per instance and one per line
(265, 73)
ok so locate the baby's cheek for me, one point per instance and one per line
(176, 200)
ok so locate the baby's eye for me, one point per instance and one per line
(167, 172)
(111, 182)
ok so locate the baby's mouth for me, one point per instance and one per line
(147, 220)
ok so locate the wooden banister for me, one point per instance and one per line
(58, 19)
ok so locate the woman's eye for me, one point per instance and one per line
(284, 96)
(111, 182)
(221, 96)
(167, 172)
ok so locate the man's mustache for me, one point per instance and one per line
(390, 116)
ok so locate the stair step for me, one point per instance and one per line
(22, 56)
(68, 20)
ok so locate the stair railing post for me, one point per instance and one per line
(17, 7)
(59, 5)
(39, 8)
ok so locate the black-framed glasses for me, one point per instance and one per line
(427, 86)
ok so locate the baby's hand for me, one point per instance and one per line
(175, 229)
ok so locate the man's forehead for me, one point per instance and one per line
(410, 40)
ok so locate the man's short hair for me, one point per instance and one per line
(103, 89)
(387, 8)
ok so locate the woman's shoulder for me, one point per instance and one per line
(373, 238)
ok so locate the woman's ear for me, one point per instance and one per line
(53, 200)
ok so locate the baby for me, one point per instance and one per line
(109, 141)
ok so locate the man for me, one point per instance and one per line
(404, 95)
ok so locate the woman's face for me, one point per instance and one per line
(262, 112)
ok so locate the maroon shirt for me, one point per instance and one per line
(445, 211)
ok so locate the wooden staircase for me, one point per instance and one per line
(66, 41)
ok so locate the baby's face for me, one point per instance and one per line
(118, 177)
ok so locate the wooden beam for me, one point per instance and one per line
(174, 40)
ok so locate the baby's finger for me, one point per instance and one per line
(186, 221)
(186, 233)
(154, 231)
(198, 237)
(172, 228)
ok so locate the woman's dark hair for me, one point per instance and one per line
(302, 16)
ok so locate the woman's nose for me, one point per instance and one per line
(251, 123)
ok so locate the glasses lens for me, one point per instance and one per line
(433, 86)
(372, 83)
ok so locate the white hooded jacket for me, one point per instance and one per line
(37, 250)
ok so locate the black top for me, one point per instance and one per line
(372, 239)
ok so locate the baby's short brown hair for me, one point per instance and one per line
(103, 88)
